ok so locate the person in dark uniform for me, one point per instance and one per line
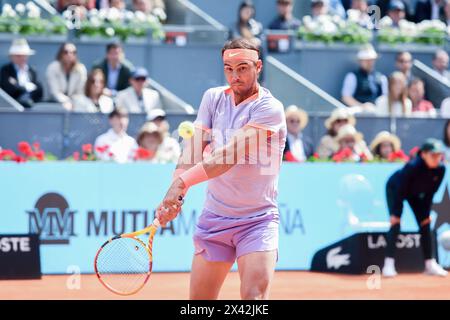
(416, 182)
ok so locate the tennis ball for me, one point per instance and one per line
(444, 240)
(186, 129)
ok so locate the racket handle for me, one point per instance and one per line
(156, 223)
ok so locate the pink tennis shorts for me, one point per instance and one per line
(219, 238)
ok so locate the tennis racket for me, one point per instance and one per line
(123, 264)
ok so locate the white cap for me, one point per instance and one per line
(155, 113)
(20, 47)
(367, 53)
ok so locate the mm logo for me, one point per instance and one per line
(52, 219)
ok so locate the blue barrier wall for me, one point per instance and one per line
(77, 206)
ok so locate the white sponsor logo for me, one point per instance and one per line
(336, 260)
(15, 244)
(404, 241)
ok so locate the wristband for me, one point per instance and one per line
(194, 175)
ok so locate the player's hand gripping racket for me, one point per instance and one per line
(123, 264)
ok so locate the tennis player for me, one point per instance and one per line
(246, 129)
(416, 182)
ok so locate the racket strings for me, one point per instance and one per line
(124, 265)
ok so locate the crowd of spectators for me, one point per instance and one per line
(116, 87)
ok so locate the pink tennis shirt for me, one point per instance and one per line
(248, 188)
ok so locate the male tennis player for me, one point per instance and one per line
(246, 128)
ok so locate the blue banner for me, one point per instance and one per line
(75, 207)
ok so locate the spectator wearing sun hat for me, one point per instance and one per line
(349, 139)
(160, 147)
(18, 78)
(299, 147)
(138, 98)
(384, 145)
(338, 118)
(362, 87)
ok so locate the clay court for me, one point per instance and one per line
(286, 285)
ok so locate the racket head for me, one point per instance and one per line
(123, 264)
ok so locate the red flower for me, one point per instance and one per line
(87, 148)
(363, 157)
(76, 156)
(84, 157)
(289, 157)
(398, 156)
(20, 159)
(37, 146)
(316, 155)
(25, 148)
(40, 155)
(110, 154)
(343, 154)
(143, 154)
(101, 149)
(7, 154)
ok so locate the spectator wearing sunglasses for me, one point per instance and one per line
(298, 145)
(66, 76)
(138, 98)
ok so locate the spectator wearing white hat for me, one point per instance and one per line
(18, 78)
(298, 144)
(362, 87)
(160, 147)
(348, 138)
(169, 145)
(338, 118)
(384, 145)
(138, 98)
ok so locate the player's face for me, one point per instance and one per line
(432, 159)
(243, 75)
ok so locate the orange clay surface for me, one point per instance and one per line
(286, 285)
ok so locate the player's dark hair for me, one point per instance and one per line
(446, 138)
(240, 44)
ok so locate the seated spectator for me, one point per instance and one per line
(285, 19)
(158, 117)
(118, 4)
(404, 63)
(362, 87)
(94, 98)
(160, 148)
(384, 8)
(428, 10)
(351, 145)
(319, 8)
(420, 106)
(447, 140)
(446, 14)
(396, 103)
(445, 108)
(396, 12)
(116, 68)
(440, 64)
(18, 78)
(385, 145)
(359, 14)
(77, 6)
(299, 147)
(121, 147)
(138, 98)
(151, 7)
(335, 7)
(338, 118)
(247, 27)
(66, 76)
